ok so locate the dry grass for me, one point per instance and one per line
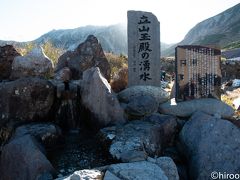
(116, 62)
(228, 99)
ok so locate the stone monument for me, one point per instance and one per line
(198, 72)
(143, 49)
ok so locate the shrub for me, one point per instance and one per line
(120, 80)
(26, 48)
(116, 62)
(52, 52)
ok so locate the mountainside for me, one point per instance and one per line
(112, 38)
(219, 31)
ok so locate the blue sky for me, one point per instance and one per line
(25, 20)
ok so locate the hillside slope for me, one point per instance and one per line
(219, 30)
(112, 38)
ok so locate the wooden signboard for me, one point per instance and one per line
(198, 72)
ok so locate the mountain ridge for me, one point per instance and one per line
(113, 38)
(219, 30)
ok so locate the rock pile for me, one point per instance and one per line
(149, 136)
(30, 100)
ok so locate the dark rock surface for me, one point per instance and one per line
(169, 127)
(46, 133)
(7, 55)
(27, 99)
(88, 54)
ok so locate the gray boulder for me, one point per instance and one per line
(35, 64)
(7, 55)
(88, 54)
(137, 139)
(187, 108)
(169, 167)
(22, 159)
(98, 98)
(159, 94)
(110, 176)
(162, 168)
(210, 145)
(46, 133)
(141, 106)
(138, 171)
(25, 99)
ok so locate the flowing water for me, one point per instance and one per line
(79, 150)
